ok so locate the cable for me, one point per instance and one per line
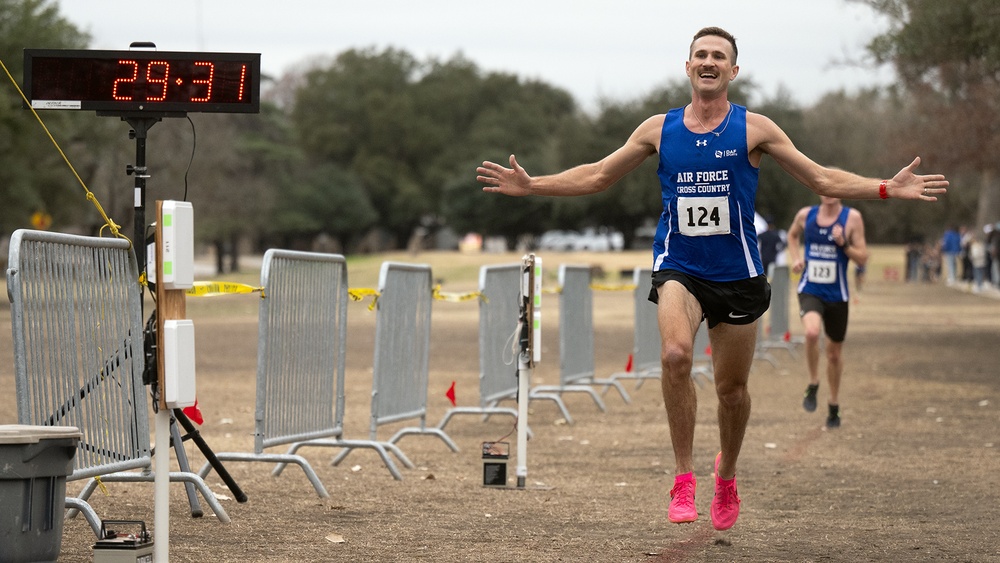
(194, 143)
(507, 435)
(513, 341)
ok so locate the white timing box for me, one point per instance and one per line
(536, 313)
(177, 232)
(178, 363)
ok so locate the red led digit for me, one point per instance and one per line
(243, 79)
(206, 81)
(162, 81)
(129, 80)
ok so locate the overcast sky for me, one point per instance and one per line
(617, 49)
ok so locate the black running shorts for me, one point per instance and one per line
(834, 315)
(738, 302)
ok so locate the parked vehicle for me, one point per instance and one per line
(559, 241)
(601, 239)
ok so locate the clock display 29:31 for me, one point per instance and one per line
(125, 80)
(190, 81)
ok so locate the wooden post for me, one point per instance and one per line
(170, 304)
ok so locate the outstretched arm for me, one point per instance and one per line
(580, 180)
(764, 136)
(854, 243)
(793, 250)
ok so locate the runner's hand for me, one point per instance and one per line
(513, 181)
(907, 185)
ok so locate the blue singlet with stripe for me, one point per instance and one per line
(708, 186)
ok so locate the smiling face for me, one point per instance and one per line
(711, 65)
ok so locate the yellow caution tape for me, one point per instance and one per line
(454, 297)
(212, 289)
(359, 294)
(619, 287)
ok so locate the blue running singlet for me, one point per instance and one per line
(708, 187)
(825, 274)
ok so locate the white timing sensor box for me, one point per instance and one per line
(177, 233)
(178, 363)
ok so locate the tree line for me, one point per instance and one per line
(364, 148)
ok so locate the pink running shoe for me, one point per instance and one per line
(726, 503)
(681, 507)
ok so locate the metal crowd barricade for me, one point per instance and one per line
(576, 339)
(301, 357)
(79, 357)
(779, 335)
(761, 350)
(499, 306)
(402, 352)
(301, 346)
(646, 332)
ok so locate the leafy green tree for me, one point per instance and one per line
(323, 199)
(527, 118)
(410, 131)
(358, 113)
(947, 55)
(33, 176)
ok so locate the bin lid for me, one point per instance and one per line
(28, 434)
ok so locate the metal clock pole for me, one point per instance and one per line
(140, 127)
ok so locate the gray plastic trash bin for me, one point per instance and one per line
(34, 463)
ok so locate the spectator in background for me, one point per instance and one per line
(914, 253)
(930, 263)
(987, 234)
(951, 248)
(977, 257)
(772, 245)
(964, 257)
(993, 246)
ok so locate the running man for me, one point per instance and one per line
(706, 264)
(831, 235)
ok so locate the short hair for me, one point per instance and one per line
(719, 32)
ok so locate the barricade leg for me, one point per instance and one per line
(421, 430)
(381, 447)
(182, 462)
(272, 458)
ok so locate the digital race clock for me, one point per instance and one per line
(142, 82)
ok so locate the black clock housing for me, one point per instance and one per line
(133, 83)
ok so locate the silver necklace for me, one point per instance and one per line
(729, 116)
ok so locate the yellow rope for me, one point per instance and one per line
(114, 227)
